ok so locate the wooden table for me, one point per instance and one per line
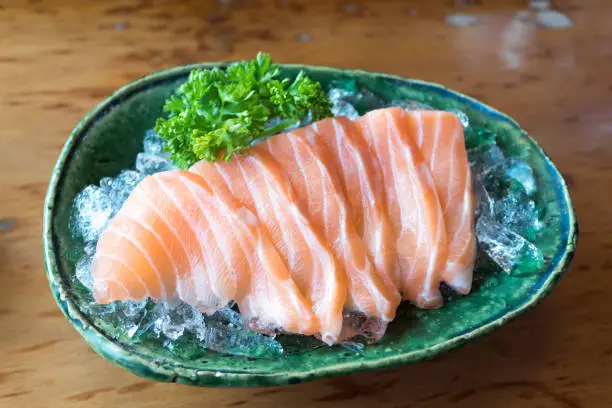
(59, 58)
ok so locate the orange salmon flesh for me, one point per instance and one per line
(319, 231)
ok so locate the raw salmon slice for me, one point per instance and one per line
(177, 238)
(359, 171)
(261, 185)
(316, 232)
(314, 177)
(412, 203)
(440, 138)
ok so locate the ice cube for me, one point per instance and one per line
(504, 246)
(345, 109)
(463, 117)
(126, 181)
(350, 103)
(486, 158)
(342, 103)
(131, 309)
(520, 171)
(90, 248)
(366, 100)
(128, 316)
(97, 309)
(131, 332)
(148, 163)
(486, 204)
(154, 144)
(339, 95)
(151, 320)
(172, 319)
(91, 212)
(83, 272)
(106, 185)
(178, 318)
(239, 341)
(171, 330)
(517, 212)
(122, 187)
(228, 316)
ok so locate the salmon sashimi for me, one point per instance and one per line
(260, 184)
(413, 205)
(321, 231)
(440, 138)
(315, 180)
(360, 174)
(177, 238)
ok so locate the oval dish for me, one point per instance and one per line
(108, 139)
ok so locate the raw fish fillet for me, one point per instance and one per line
(413, 205)
(316, 182)
(176, 237)
(359, 171)
(260, 184)
(439, 135)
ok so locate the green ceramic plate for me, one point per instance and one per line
(108, 139)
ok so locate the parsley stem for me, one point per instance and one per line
(280, 127)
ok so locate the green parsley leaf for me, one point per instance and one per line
(220, 112)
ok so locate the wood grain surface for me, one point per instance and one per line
(59, 58)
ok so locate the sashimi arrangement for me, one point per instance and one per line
(264, 206)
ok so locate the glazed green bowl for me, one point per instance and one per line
(108, 139)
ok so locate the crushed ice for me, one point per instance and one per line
(505, 228)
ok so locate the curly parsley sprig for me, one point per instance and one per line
(219, 112)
